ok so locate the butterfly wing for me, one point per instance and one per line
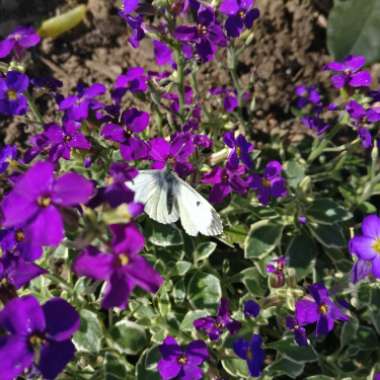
(196, 213)
(152, 189)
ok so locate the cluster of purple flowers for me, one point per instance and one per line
(350, 78)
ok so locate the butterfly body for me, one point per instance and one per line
(168, 198)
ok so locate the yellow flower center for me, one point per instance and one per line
(241, 14)
(44, 201)
(202, 29)
(376, 246)
(323, 309)
(182, 360)
(12, 95)
(123, 259)
(20, 236)
(249, 354)
(265, 182)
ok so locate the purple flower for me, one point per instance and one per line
(134, 80)
(251, 352)
(321, 310)
(76, 107)
(15, 272)
(298, 331)
(131, 147)
(251, 309)
(360, 270)
(271, 184)
(7, 155)
(307, 95)
(302, 219)
(12, 89)
(367, 246)
(225, 181)
(349, 73)
(135, 22)
(206, 36)
(39, 335)
(123, 268)
(36, 198)
(18, 41)
(182, 363)
(240, 13)
(230, 100)
(240, 149)
(215, 326)
(175, 153)
(277, 268)
(315, 123)
(62, 140)
(162, 53)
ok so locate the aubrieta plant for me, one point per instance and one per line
(93, 288)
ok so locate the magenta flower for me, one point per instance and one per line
(321, 310)
(367, 246)
(62, 140)
(131, 146)
(36, 198)
(251, 352)
(76, 107)
(39, 335)
(271, 184)
(349, 73)
(215, 326)
(123, 268)
(277, 268)
(134, 80)
(298, 331)
(240, 14)
(162, 53)
(226, 181)
(18, 41)
(12, 98)
(134, 20)
(182, 363)
(175, 153)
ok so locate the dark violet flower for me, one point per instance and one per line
(15, 273)
(134, 80)
(240, 14)
(134, 20)
(7, 155)
(251, 309)
(175, 153)
(230, 100)
(225, 181)
(12, 98)
(215, 326)
(76, 107)
(123, 268)
(271, 184)
(349, 73)
(315, 123)
(162, 53)
(251, 352)
(360, 270)
(277, 269)
(206, 36)
(181, 363)
(367, 246)
(307, 95)
(298, 331)
(18, 41)
(62, 140)
(36, 198)
(302, 219)
(321, 310)
(39, 335)
(240, 150)
(131, 146)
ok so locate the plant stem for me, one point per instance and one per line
(181, 82)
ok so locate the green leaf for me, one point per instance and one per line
(262, 239)
(190, 317)
(294, 352)
(204, 250)
(236, 368)
(285, 367)
(327, 211)
(301, 252)
(146, 368)
(115, 368)
(294, 172)
(319, 377)
(253, 281)
(163, 235)
(353, 28)
(204, 291)
(236, 234)
(129, 337)
(182, 267)
(331, 236)
(349, 331)
(89, 336)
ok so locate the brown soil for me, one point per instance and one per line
(288, 48)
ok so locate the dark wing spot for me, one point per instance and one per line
(198, 203)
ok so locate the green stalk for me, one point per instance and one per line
(181, 82)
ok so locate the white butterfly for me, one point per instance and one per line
(168, 198)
